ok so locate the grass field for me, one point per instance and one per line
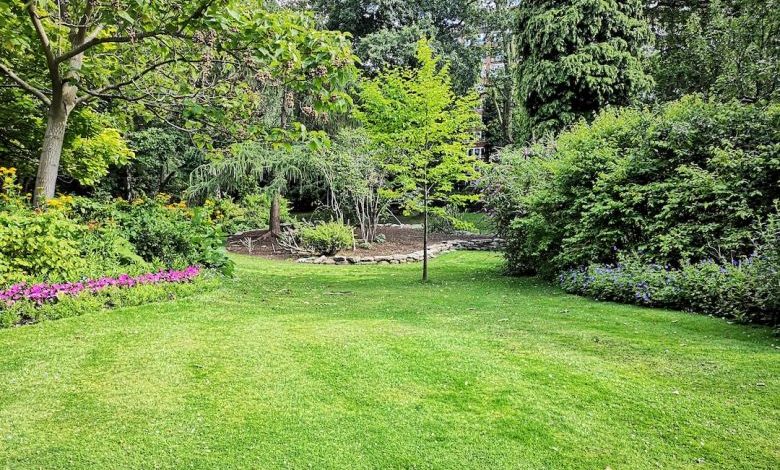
(292, 366)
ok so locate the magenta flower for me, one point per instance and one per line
(43, 292)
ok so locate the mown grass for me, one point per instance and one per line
(365, 367)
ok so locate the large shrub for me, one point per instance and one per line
(327, 238)
(688, 182)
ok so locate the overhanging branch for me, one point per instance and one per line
(25, 86)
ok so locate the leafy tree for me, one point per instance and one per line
(208, 58)
(92, 144)
(164, 158)
(275, 166)
(500, 83)
(423, 131)
(726, 49)
(578, 56)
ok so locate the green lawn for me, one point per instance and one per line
(364, 367)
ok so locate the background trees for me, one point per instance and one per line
(385, 32)
(423, 131)
(725, 49)
(578, 56)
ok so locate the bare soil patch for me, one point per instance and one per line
(398, 241)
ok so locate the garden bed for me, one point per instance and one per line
(399, 240)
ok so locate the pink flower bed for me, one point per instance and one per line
(43, 292)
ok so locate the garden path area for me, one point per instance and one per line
(400, 240)
(293, 366)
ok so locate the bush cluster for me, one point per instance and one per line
(75, 238)
(689, 182)
(746, 290)
(327, 238)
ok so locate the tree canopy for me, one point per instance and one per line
(209, 60)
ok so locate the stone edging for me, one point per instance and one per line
(480, 244)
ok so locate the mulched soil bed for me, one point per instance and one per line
(399, 241)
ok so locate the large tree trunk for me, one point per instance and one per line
(63, 101)
(275, 217)
(51, 151)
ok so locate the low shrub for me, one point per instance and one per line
(39, 244)
(77, 237)
(747, 290)
(327, 238)
(163, 234)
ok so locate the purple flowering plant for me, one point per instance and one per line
(42, 293)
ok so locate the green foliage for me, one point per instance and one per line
(164, 157)
(93, 144)
(54, 245)
(41, 245)
(172, 236)
(385, 32)
(577, 56)
(356, 181)
(327, 238)
(422, 131)
(250, 213)
(691, 181)
(22, 128)
(725, 49)
(208, 65)
(88, 158)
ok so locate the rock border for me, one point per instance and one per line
(478, 244)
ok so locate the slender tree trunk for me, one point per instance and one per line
(51, 151)
(425, 235)
(275, 217)
(128, 183)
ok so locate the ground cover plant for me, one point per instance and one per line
(23, 303)
(364, 366)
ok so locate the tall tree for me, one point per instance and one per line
(156, 52)
(423, 130)
(578, 56)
